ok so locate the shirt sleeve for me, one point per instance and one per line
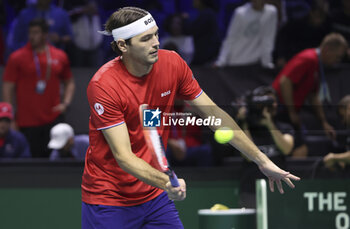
(189, 88)
(106, 109)
(11, 72)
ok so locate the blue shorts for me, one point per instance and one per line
(157, 213)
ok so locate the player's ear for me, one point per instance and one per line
(122, 45)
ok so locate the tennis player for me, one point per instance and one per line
(120, 186)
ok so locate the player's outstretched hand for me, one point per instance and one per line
(275, 174)
(176, 193)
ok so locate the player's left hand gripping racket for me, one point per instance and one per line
(155, 145)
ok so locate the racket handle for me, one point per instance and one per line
(173, 179)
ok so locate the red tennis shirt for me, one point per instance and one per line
(34, 109)
(303, 71)
(114, 97)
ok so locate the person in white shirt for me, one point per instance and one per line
(251, 35)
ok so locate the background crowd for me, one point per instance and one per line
(297, 41)
(238, 33)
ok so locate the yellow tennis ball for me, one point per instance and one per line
(223, 135)
(217, 207)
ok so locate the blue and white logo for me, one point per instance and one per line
(151, 117)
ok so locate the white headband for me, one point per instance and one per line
(135, 28)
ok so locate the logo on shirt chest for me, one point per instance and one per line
(163, 94)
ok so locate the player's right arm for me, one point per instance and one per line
(119, 143)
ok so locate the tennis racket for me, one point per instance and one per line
(156, 146)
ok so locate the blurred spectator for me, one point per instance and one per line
(65, 145)
(273, 138)
(13, 144)
(334, 160)
(341, 22)
(86, 51)
(32, 80)
(60, 32)
(303, 77)
(251, 35)
(186, 146)
(183, 44)
(303, 33)
(205, 33)
(257, 119)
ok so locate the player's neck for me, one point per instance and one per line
(135, 68)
